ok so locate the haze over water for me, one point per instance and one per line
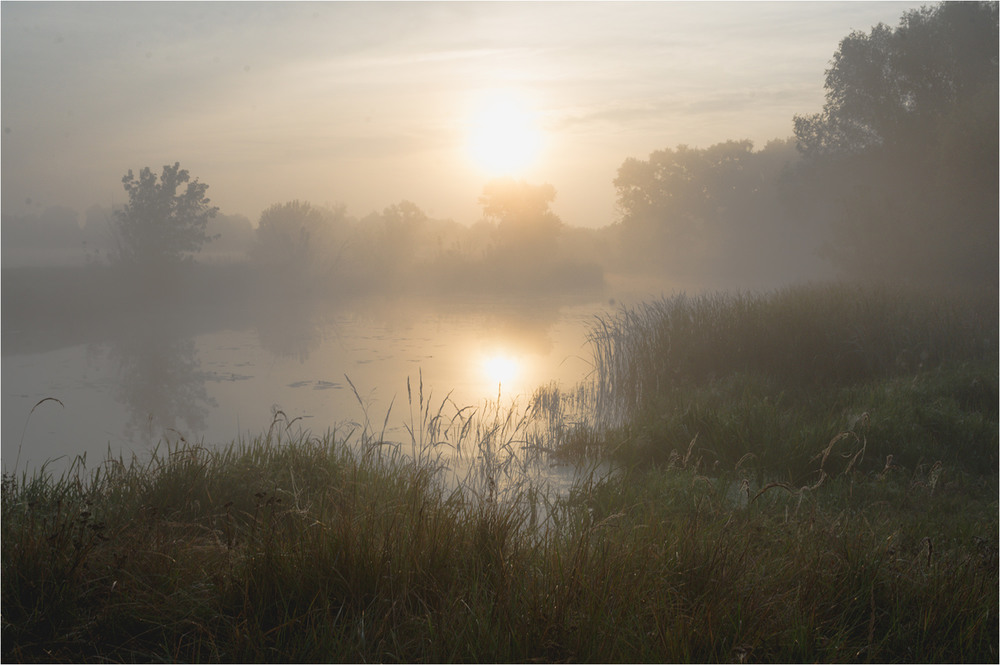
(155, 384)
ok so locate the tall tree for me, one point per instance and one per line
(402, 223)
(903, 156)
(525, 224)
(894, 88)
(162, 224)
(697, 212)
(299, 241)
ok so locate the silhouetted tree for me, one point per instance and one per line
(160, 226)
(402, 223)
(298, 241)
(903, 158)
(896, 88)
(525, 224)
(528, 254)
(692, 212)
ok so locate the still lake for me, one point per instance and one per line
(153, 379)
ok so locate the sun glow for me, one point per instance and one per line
(504, 137)
(500, 368)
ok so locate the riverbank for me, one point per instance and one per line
(836, 501)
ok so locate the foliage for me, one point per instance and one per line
(530, 249)
(525, 224)
(897, 179)
(898, 88)
(391, 245)
(161, 226)
(298, 241)
(779, 376)
(695, 213)
(902, 161)
(403, 223)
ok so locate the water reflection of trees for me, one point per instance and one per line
(160, 382)
(294, 327)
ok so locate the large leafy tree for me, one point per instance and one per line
(401, 226)
(899, 87)
(299, 241)
(525, 224)
(902, 160)
(693, 211)
(163, 223)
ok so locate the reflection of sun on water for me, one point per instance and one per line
(500, 369)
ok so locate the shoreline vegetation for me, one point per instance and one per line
(806, 475)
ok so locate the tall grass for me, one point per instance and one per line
(777, 375)
(310, 550)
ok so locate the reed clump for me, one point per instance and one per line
(777, 374)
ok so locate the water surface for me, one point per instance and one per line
(163, 377)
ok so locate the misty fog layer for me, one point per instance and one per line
(211, 370)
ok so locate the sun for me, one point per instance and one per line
(504, 138)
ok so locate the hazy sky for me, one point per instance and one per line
(367, 104)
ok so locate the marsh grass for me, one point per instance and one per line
(775, 375)
(713, 540)
(308, 550)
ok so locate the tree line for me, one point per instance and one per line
(895, 179)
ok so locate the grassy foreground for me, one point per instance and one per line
(755, 513)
